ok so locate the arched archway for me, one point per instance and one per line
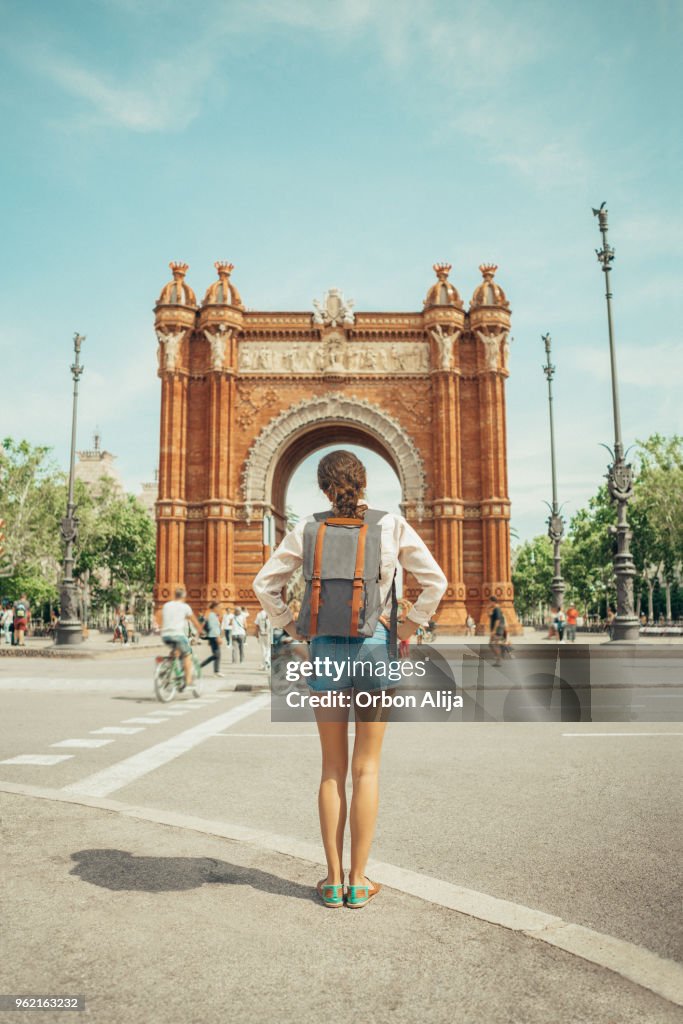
(328, 419)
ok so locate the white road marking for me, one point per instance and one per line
(143, 721)
(122, 774)
(274, 735)
(591, 735)
(116, 730)
(643, 967)
(173, 712)
(37, 759)
(81, 743)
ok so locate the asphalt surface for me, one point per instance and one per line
(157, 922)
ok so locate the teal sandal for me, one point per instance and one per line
(359, 895)
(331, 895)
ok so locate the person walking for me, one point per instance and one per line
(572, 618)
(497, 629)
(559, 622)
(21, 619)
(264, 633)
(6, 622)
(470, 625)
(239, 636)
(226, 626)
(342, 478)
(609, 621)
(212, 629)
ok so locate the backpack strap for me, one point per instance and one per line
(357, 594)
(373, 516)
(315, 578)
(393, 621)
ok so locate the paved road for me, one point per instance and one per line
(206, 913)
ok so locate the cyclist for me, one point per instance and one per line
(174, 618)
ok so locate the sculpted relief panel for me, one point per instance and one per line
(333, 355)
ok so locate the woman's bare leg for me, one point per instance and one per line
(367, 750)
(334, 744)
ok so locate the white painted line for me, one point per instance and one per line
(275, 735)
(629, 960)
(122, 774)
(81, 743)
(116, 730)
(143, 721)
(591, 735)
(272, 735)
(173, 712)
(37, 759)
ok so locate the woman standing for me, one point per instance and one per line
(342, 479)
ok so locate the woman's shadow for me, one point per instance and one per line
(121, 871)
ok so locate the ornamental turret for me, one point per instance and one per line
(444, 319)
(177, 292)
(220, 320)
(175, 310)
(442, 292)
(490, 322)
(223, 292)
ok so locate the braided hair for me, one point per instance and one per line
(342, 477)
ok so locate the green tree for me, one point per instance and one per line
(116, 539)
(532, 575)
(657, 513)
(31, 490)
(116, 543)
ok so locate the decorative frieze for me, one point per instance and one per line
(334, 354)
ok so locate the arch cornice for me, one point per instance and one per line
(277, 435)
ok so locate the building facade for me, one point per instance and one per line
(247, 395)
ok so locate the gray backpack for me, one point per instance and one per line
(341, 569)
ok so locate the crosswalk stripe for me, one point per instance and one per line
(44, 759)
(124, 772)
(81, 743)
(116, 730)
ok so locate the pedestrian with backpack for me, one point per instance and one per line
(22, 616)
(349, 556)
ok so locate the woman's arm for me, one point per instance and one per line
(274, 575)
(416, 558)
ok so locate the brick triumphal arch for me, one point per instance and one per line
(246, 395)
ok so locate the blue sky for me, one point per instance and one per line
(351, 144)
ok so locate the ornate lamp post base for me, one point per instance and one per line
(69, 629)
(69, 633)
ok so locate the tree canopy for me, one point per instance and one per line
(116, 539)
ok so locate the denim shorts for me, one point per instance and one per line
(179, 641)
(359, 656)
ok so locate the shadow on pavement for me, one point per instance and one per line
(121, 871)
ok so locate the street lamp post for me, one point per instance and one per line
(555, 520)
(70, 629)
(619, 473)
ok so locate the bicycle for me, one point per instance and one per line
(169, 676)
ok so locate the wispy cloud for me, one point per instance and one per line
(156, 99)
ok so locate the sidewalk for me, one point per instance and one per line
(156, 923)
(100, 645)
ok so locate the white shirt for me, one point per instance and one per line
(238, 625)
(174, 615)
(400, 545)
(262, 623)
(228, 618)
